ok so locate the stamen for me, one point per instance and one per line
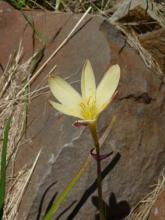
(88, 109)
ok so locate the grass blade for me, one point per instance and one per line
(38, 34)
(3, 165)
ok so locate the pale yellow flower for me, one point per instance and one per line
(93, 101)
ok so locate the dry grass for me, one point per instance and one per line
(10, 83)
(133, 41)
(130, 18)
(13, 79)
(16, 191)
(15, 96)
(143, 208)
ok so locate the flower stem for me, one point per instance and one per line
(93, 130)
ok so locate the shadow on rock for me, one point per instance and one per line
(114, 210)
(51, 201)
(91, 189)
(43, 198)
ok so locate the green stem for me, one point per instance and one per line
(93, 129)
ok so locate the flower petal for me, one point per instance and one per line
(88, 85)
(66, 110)
(107, 87)
(64, 92)
(105, 105)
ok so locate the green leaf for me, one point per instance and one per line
(58, 2)
(64, 194)
(38, 34)
(17, 4)
(3, 165)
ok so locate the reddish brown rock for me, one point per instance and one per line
(138, 134)
(158, 209)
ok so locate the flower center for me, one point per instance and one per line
(88, 109)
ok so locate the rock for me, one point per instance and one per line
(12, 26)
(158, 210)
(138, 134)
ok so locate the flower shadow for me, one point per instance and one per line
(113, 210)
(50, 203)
(93, 187)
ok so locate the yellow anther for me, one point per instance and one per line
(88, 109)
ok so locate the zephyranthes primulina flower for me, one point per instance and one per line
(93, 101)
(87, 107)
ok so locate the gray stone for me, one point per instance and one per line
(138, 134)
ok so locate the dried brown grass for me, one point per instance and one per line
(12, 80)
(17, 189)
(142, 210)
(137, 13)
(151, 13)
(14, 98)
